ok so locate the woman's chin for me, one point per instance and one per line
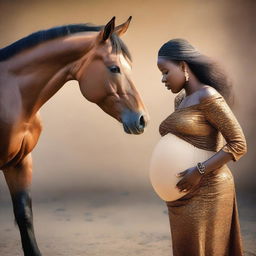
(173, 90)
(169, 88)
(176, 90)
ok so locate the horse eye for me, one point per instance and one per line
(114, 69)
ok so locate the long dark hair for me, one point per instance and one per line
(207, 70)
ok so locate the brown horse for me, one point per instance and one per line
(32, 70)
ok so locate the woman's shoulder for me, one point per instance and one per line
(208, 93)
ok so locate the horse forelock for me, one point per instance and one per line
(119, 47)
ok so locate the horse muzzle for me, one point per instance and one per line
(133, 122)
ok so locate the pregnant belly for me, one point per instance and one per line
(171, 156)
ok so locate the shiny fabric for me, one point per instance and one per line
(205, 222)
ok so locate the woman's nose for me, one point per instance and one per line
(163, 79)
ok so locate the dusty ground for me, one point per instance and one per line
(106, 223)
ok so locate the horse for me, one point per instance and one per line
(32, 70)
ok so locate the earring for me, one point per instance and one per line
(186, 75)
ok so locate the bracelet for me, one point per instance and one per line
(201, 168)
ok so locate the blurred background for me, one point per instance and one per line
(85, 161)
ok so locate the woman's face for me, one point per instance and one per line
(172, 74)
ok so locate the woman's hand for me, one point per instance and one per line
(191, 178)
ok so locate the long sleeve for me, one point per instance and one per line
(218, 114)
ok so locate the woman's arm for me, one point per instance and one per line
(221, 116)
(218, 114)
(217, 160)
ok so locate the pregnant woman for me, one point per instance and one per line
(204, 221)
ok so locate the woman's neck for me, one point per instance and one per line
(192, 85)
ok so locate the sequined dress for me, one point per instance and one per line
(205, 222)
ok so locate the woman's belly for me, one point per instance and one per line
(171, 156)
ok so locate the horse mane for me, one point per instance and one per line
(56, 32)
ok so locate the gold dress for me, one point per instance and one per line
(205, 221)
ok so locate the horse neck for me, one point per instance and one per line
(40, 72)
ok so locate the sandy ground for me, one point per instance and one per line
(106, 223)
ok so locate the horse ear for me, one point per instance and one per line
(121, 29)
(108, 30)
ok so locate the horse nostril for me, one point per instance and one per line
(142, 121)
(133, 122)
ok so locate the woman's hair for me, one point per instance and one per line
(204, 68)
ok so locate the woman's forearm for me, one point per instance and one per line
(217, 160)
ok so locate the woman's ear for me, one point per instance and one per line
(183, 66)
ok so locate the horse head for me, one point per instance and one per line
(104, 78)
